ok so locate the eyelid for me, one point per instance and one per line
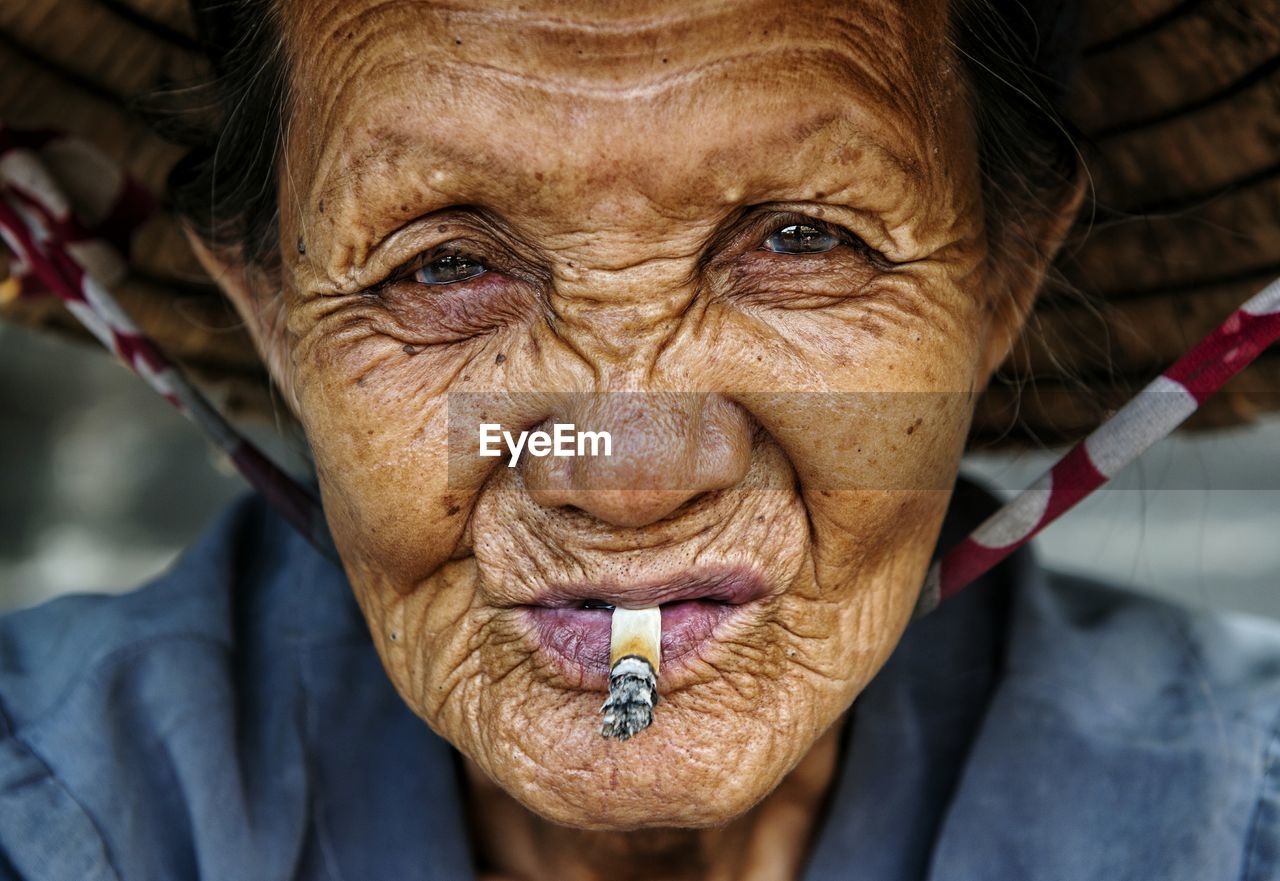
(467, 229)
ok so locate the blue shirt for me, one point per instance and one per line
(232, 721)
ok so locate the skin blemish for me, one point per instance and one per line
(453, 509)
(302, 246)
(410, 349)
(500, 359)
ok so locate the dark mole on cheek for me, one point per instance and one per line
(302, 246)
(442, 228)
(912, 428)
(320, 207)
(410, 349)
(500, 359)
(453, 509)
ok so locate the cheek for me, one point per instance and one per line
(376, 420)
(884, 389)
(875, 393)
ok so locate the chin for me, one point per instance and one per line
(693, 768)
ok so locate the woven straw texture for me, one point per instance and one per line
(1178, 102)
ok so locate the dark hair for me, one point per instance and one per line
(225, 185)
(1017, 57)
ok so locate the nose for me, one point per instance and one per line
(666, 449)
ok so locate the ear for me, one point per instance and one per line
(1020, 250)
(260, 305)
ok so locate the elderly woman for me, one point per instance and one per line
(774, 252)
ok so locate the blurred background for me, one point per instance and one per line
(101, 485)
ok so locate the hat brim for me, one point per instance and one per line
(1178, 100)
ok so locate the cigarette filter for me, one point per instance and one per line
(635, 650)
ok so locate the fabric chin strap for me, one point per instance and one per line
(57, 253)
(1163, 405)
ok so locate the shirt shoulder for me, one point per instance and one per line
(46, 650)
(124, 719)
(1134, 737)
(1136, 660)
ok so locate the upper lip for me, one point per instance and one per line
(733, 587)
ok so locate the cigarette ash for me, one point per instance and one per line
(633, 690)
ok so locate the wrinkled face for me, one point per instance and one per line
(745, 239)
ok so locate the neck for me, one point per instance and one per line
(770, 841)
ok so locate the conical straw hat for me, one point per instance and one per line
(1178, 103)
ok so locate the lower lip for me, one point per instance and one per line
(581, 636)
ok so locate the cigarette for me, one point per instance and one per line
(635, 649)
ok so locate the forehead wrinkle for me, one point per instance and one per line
(691, 26)
(903, 101)
(630, 16)
(383, 121)
(843, 40)
(541, 42)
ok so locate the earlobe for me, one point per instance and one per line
(1019, 256)
(259, 304)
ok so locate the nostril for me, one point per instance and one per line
(631, 508)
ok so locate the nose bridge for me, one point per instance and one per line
(620, 319)
(665, 448)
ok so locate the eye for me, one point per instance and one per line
(800, 238)
(450, 268)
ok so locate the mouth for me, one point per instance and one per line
(573, 623)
